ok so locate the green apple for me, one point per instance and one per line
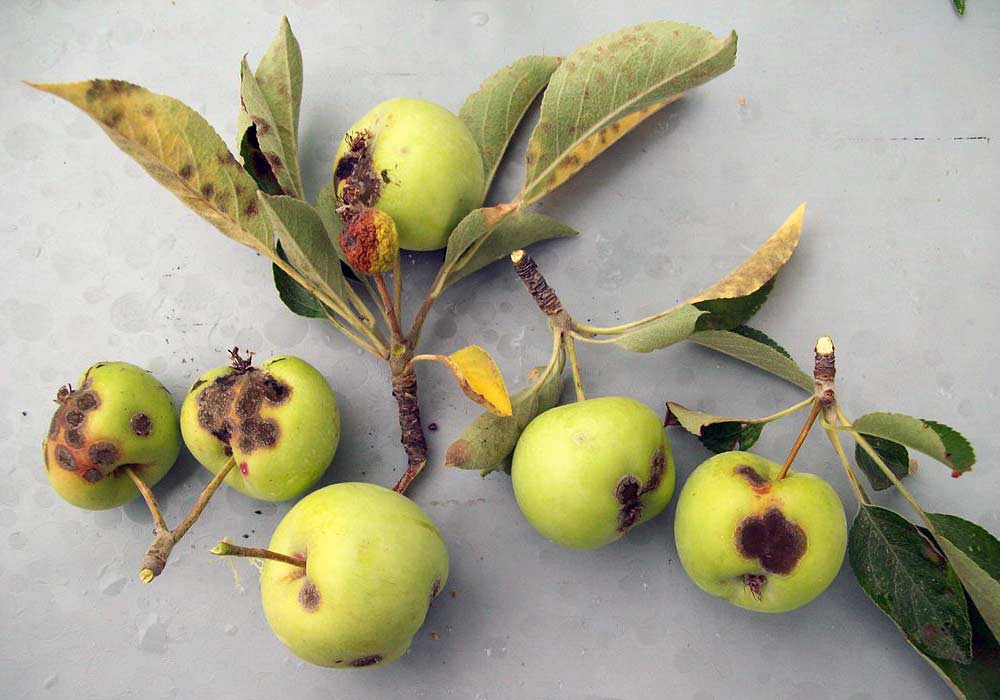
(587, 472)
(759, 542)
(373, 563)
(417, 162)
(120, 416)
(279, 423)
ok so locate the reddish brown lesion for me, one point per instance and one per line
(773, 540)
(757, 482)
(68, 446)
(230, 406)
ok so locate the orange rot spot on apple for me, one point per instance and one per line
(244, 468)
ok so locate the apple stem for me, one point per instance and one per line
(390, 308)
(156, 556)
(570, 344)
(228, 549)
(810, 420)
(859, 491)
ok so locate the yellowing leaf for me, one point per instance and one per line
(609, 86)
(762, 266)
(478, 376)
(179, 149)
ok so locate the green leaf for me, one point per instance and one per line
(892, 453)
(608, 87)
(472, 229)
(975, 555)
(488, 440)
(270, 100)
(305, 240)
(660, 332)
(752, 349)
(906, 576)
(933, 439)
(719, 433)
(959, 7)
(760, 337)
(179, 149)
(518, 230)
(294, 295)
(494, 111)
(980, 678)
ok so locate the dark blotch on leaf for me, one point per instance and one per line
(309, 597)
(777, 543)
(207, 190)
(141, 424)
(103, 453)
(65, 458)
(366, 661)
(186, 171)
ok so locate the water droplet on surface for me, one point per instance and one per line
(479, 19)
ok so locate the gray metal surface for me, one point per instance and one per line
(866, 110)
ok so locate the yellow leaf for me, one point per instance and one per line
(179, 149)
(478, 376)
(760, 267)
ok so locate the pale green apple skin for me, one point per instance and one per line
(375, 559)
(569, 462)
(309, 431)
(123, 391)
(433, 164)
(716, 499)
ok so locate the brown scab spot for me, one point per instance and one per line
(250, 209)
(777, 543)
(309, 597)
(757, 482)
(366, 661)
(74, 438)
(103, 453)
(65, 458)
(458, 453)
(148, 111)
(74, 419)
(93, 475)
(230, 406)
(87, 401)
(114, 118)
(435, 588)
(186, 171)
(207, 190)
(629, 505)
(141, 424)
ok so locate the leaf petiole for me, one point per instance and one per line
(570, 346)
(859, 491)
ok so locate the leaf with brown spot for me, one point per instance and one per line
(905, 575)
(488, 441)
(175, 140)
(478, 376)
(494, 111)
(281, 163)
(305, 240)
(273, 96)
(605, 89)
